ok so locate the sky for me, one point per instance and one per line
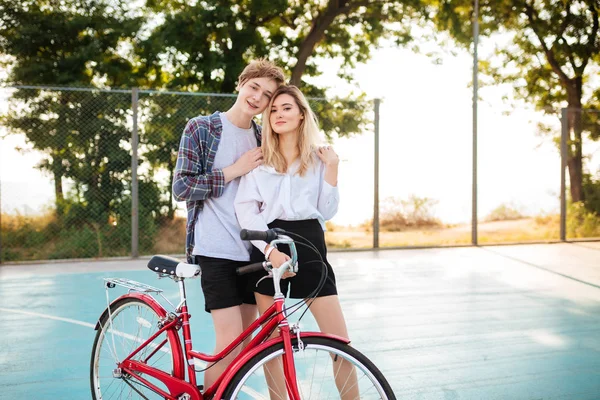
(425, 145)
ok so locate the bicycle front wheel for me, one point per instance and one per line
(133, 322)
(325, 369)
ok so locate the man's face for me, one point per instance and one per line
(255, 94)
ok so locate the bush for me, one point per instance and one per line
(24, 237)
(416, 212)
(504, 212)
(581, 222)
(591, 193)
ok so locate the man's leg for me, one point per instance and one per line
(249, 315)
(228, 326)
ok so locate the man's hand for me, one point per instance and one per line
(246, 163)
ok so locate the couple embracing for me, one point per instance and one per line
(235, 174)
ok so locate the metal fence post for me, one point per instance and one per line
(376, 103)
(0, 222)
(134, 176)
(474, 235)
(563, 166)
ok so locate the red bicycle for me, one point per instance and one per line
(138, 351)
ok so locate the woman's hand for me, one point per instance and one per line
(277, 258)
(328, 156)
(331, 161)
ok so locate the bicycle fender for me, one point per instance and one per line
(239, 363)
(149, 299)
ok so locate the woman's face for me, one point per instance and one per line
(285, 115)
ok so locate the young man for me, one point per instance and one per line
(215, 151)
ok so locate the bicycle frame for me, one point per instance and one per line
(273, 318)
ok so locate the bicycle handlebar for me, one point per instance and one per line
(246, 269)
(273, 236)
(267, 236)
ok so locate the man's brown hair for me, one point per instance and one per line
(261, 68)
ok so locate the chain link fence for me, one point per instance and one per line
(98, 166)
(87, 174)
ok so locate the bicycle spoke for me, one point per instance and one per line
(133, 323)
(325, 369)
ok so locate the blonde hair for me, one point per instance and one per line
(308, 139)
(261, 68)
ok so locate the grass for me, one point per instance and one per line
(40, 237)
(171, 237)
(519, 230)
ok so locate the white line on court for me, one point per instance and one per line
(34, 314)
(197, 362)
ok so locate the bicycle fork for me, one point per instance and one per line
(289, 368)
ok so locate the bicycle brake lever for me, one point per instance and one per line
(264, 277)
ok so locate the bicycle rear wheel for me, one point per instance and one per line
(323, 369)
(133, 322)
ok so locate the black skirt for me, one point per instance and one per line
(309, 273)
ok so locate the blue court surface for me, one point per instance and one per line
(502, 322)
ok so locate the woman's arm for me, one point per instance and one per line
(247, 208)
(329, 197)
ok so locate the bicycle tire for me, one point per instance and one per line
(249, 381)
(118, 343)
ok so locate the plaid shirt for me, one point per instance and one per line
(195, 180)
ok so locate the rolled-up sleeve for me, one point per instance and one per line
(190, 180)
(247, 207)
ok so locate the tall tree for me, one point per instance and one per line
(551, 50)
(203, 46)
(74, 43)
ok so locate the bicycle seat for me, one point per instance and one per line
(166, 265)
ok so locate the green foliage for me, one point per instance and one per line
(216, 38)
(81, 134)
(582, 223)
(66, 42)
(204, 46)
(591, 188)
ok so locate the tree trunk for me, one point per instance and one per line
(574, 142)
(316, 34)
(171, 212)
(58, 187)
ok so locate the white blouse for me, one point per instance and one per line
(265, 195)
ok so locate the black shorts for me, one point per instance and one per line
(309, 273)
(221, 286)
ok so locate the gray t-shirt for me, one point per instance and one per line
(217, 232)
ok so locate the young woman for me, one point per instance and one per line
(215, 151)
(295, 189)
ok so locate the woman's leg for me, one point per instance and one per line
(274, 368)
(249, 315)
(228, 326)
(328, 313)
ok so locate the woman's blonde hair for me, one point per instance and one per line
(308, 139)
